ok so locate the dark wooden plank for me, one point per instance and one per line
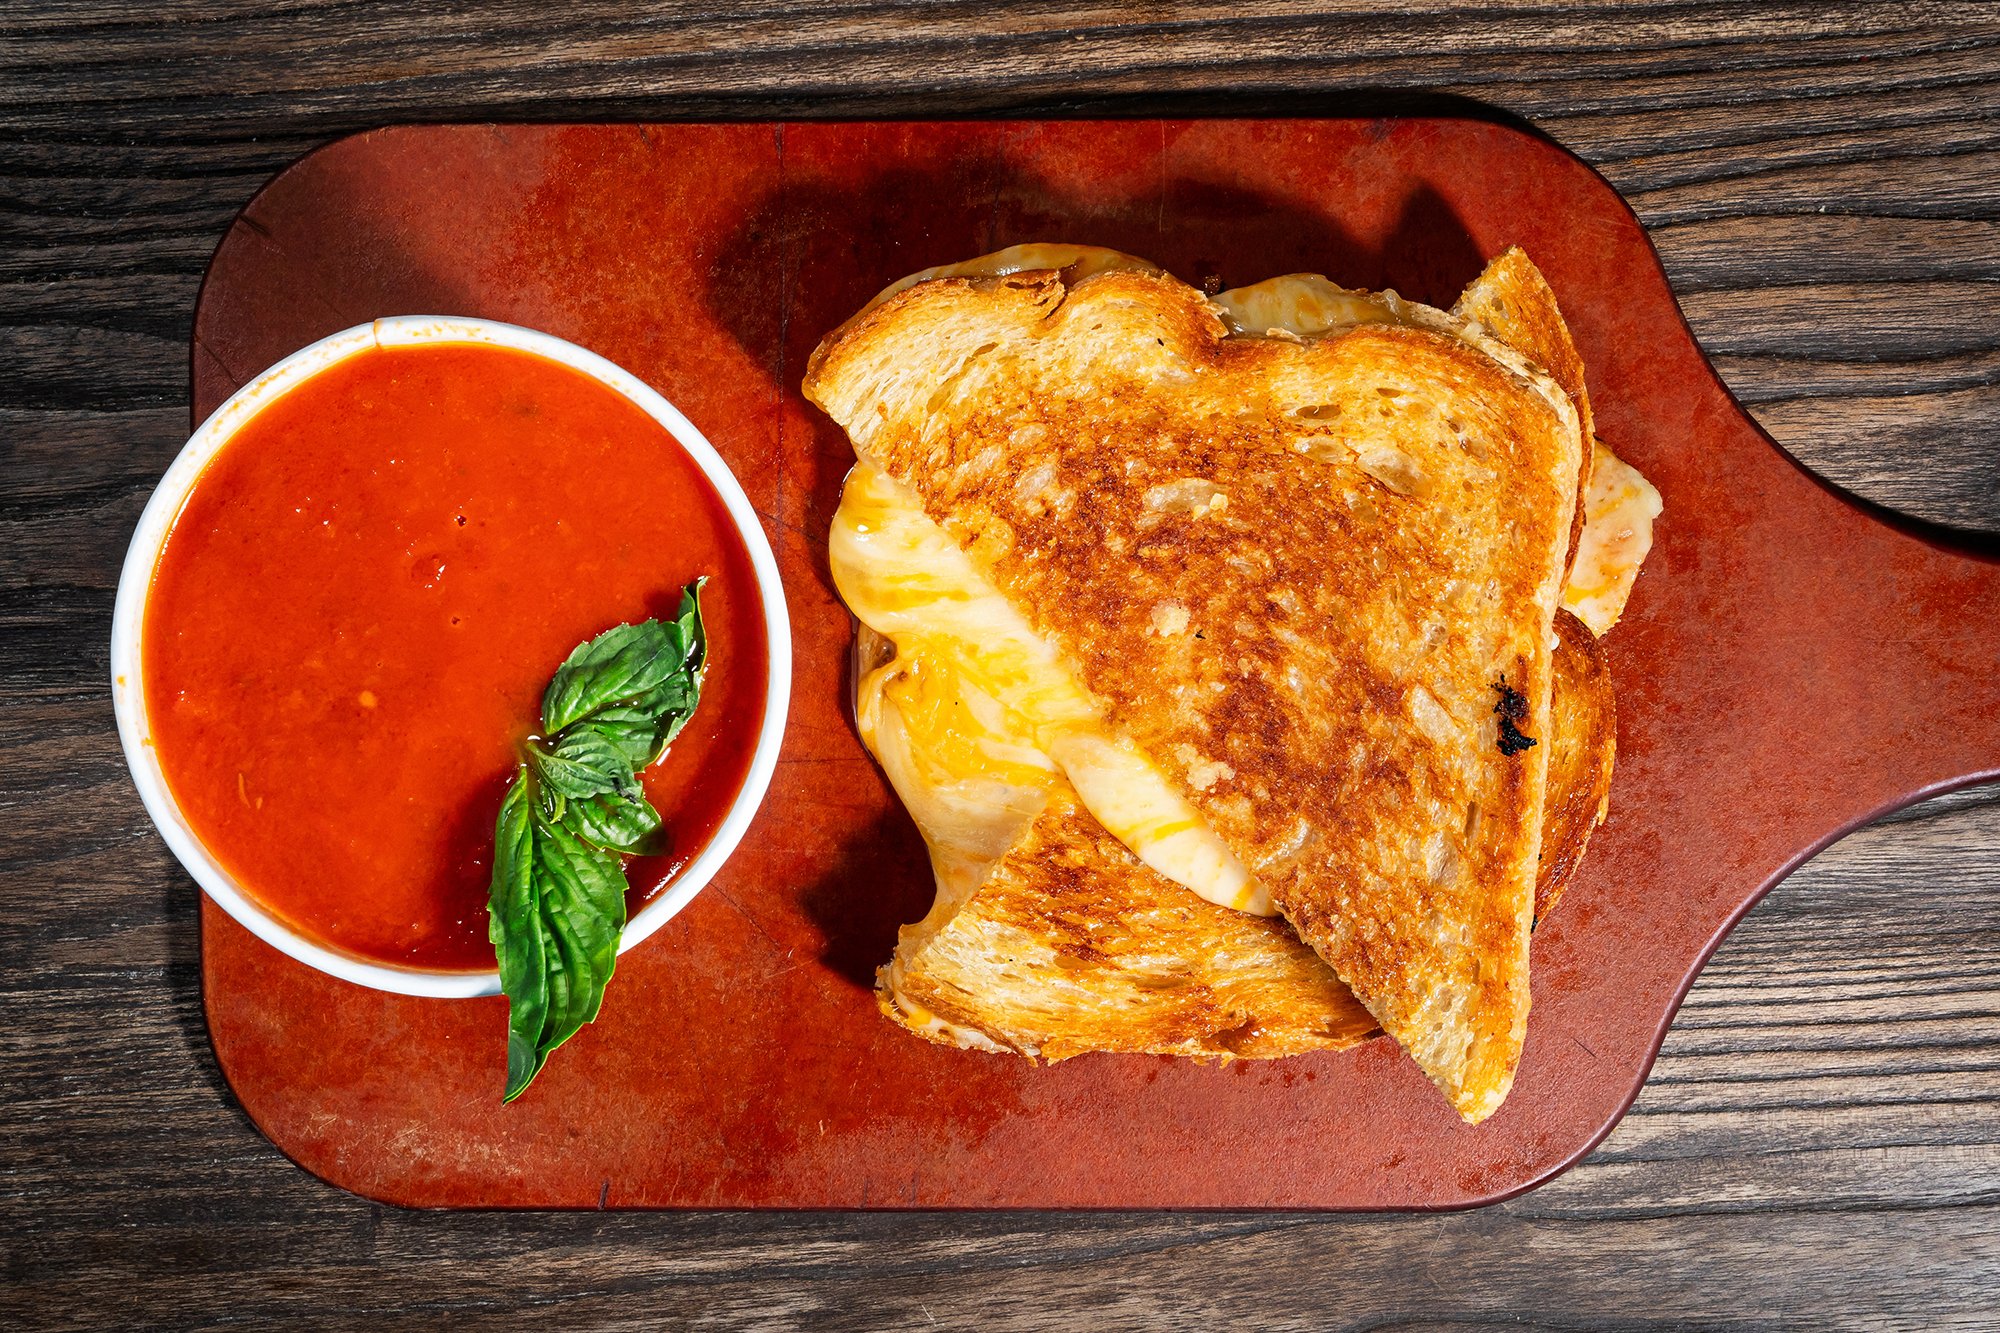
(1820, 1141)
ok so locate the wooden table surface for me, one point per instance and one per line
(1820, 1141)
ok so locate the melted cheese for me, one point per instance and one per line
(976, 698)
(1074, 262)
(1619, 509)
(927, 1024)
(1306, 305)
(967, 781)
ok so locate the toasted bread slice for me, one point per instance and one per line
(1512, 301)
(1613, 529)
(1048, 937)
(1300, 576)
(1065, 943)
(1583, 744)
(1071, 945)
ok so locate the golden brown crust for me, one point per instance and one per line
(1583, 743)
(1358, 538)
(1513, 301)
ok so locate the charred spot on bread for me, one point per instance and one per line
(1512, 739)
(1513, 710)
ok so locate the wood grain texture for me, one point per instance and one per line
(1820, 1141)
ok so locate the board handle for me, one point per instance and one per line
(1923, 634)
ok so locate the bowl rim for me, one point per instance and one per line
(162, 511)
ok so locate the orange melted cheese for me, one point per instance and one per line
(978, 716)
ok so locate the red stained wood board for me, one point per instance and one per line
(1790, 666)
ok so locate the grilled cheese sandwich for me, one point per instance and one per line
(993, 738)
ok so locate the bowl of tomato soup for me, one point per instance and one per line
(344, 601)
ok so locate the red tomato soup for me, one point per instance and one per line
(352, 622)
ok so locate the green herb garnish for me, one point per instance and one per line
(575, 812)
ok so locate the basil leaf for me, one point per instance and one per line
(614, 824)
(582, 763)
(633, 728)
(675, 715)
(511, 924)
(688, 618)
(557, 914)
(617, 666)
(591, 748)
(577, 808)
(671, 722)
(582, 915)
(643, 728)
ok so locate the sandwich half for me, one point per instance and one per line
(1217, 647)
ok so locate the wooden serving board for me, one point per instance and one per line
(1790, 666)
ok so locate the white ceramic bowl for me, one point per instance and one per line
(129, 616)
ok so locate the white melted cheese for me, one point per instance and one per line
(976, 699)
(1074, 262)
(1305, 305)
(977, 718)
(927, 1024)
(1619, 509)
